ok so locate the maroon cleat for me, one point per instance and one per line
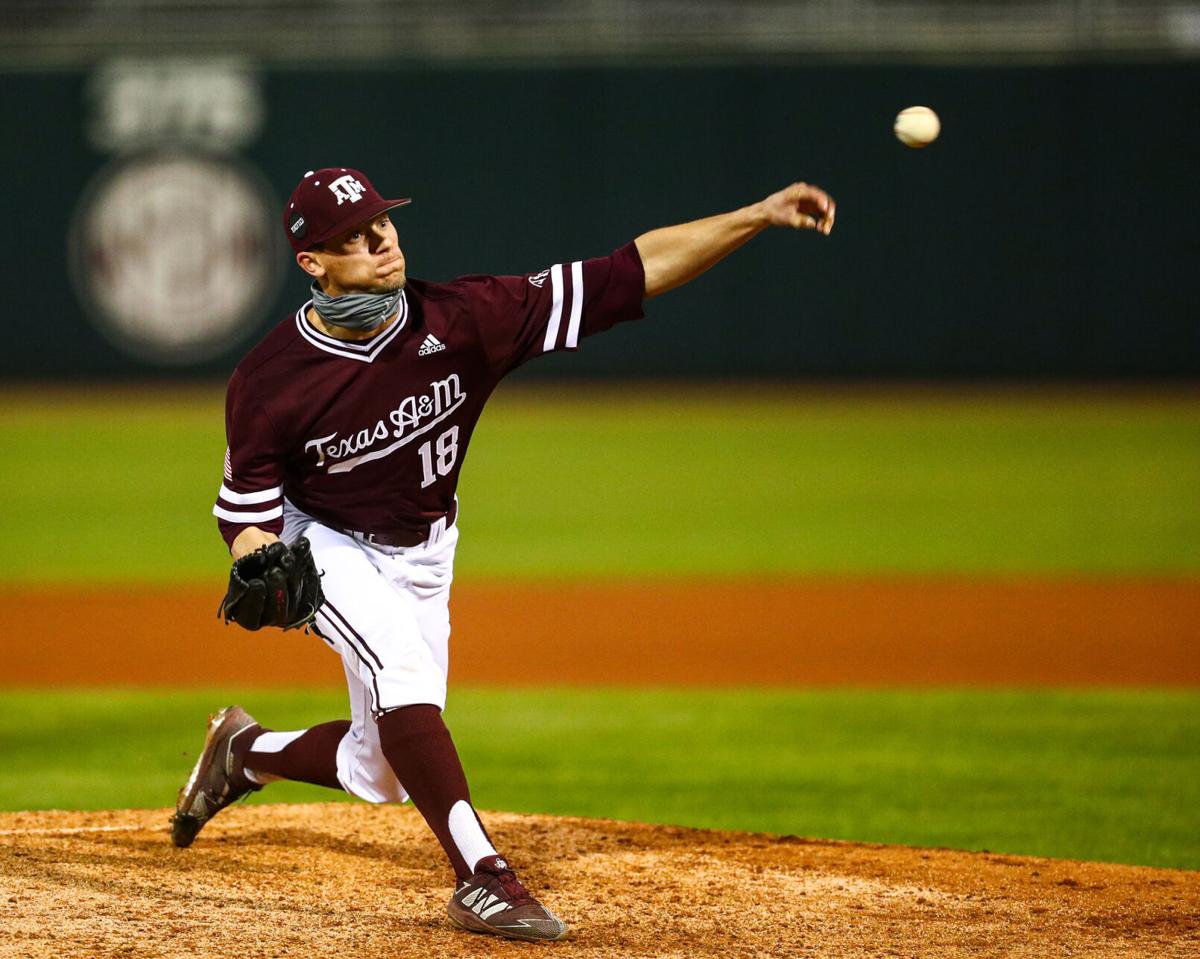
(217, 778)
(493, 900)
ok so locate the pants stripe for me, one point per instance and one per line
(366, 662)
(346, 624)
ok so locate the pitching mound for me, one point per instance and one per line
(360, 881)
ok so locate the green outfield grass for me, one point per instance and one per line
(1093, 775)
(583, 481)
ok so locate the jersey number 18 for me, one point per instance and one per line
(447, 453)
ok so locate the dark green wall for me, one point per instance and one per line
(1050, 232)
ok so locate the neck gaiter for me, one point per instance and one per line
(356, 311)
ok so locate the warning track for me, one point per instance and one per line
(360, 881)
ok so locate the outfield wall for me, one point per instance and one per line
(1045, 234)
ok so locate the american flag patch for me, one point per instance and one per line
(228, 466)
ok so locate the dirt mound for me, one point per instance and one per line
(360, 881)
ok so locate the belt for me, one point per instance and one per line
(398, 538)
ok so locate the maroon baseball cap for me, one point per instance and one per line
(330, 201)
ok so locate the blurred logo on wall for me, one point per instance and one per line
(173, 247)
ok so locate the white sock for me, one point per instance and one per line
(468, 835)
(275, 742)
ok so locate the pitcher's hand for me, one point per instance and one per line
(801, 206)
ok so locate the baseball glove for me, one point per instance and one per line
(273, 586)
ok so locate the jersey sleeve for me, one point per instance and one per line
(520, 317)
(251, 492)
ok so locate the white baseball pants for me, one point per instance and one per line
(387, 614)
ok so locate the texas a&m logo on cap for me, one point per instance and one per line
(347, 188)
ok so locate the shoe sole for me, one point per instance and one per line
(484, 929)
(185, 827)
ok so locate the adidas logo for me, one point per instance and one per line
(483, 903)
(431, 345)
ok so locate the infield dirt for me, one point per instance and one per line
(788, 632)
(360, 881)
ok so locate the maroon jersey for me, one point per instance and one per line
(369, 435)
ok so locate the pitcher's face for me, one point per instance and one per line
(364, 259)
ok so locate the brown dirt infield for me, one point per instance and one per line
(803, 631)
(358, 881)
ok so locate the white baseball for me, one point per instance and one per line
(917, 126)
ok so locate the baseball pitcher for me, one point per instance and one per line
(347, 427)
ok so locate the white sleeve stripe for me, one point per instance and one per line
(576, 304)
(245, 499)
(240, 517)
(556, 282)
